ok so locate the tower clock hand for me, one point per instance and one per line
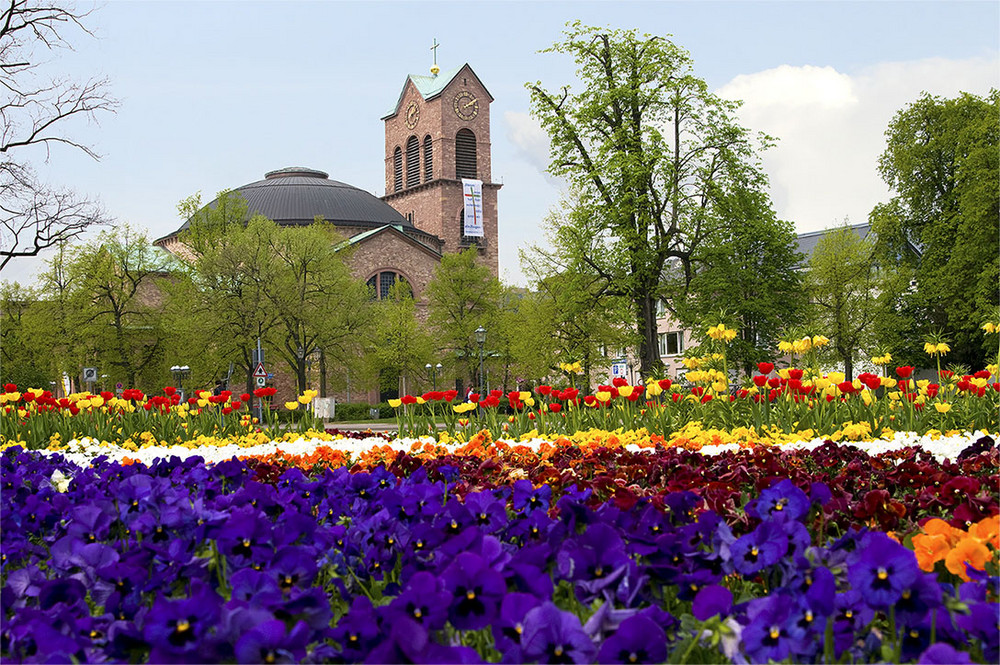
(471, 102)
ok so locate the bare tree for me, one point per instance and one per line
(33, 112)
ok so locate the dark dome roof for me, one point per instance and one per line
(296, 195)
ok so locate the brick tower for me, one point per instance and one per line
(438, 133)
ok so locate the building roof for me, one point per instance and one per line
(296, 196)
(431, 86)
(406, 234)
(807, 241)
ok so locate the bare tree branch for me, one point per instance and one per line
(34, 112)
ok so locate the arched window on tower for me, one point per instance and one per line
(465, 154)
(397, 169)
(428, 159)
(412, 161)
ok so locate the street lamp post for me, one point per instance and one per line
(434, 369)
(180, 372)
(481, 340)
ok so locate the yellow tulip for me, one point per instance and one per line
(888, 382)
(421, 400)
(395, 403)
(653, 389)
(719, 386)
(602, 395)
(304, 399)
(942, 407)
(866, 396)
(97, 400)
(203, 402)
(625, 391)
(836, 377)
(205, 394)
(783, 373)
(291, 406)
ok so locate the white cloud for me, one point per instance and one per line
(527, 135)
(831, 126)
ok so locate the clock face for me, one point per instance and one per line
(412, 115)
(466, 105)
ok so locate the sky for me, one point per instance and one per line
(214, 94)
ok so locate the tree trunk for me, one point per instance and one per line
(848, 359)
(322, 373)
(649, 349)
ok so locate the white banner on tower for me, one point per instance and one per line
(472, 193)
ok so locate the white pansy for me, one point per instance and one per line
(59, 481)
(82, 451)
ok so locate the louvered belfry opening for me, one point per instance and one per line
(428, 159)
(465, 154)
(397, 169)
(412, 162)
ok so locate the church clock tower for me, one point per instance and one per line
(437, 134)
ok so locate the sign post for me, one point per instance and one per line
(260, 380)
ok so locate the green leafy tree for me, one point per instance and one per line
(942, 160)
(402, 345)
(113, 280)
(462, 296)
(23, 361)
(574, 312)
(750, 269)
(848, 290)
(318, 304)
(652, 151)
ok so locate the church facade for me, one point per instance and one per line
(436, 134)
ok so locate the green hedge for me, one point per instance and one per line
(355, 411)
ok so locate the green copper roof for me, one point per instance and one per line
(430, 87)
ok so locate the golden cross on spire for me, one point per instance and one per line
(434, 68)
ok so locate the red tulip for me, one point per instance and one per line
(760, 380)
(795, 374)
(904, 372)
(765, 368)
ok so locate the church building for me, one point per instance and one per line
(439, 191)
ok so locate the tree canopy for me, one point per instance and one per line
(942, 160)
(652, 151)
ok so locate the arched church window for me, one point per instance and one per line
(412, 162)
(465, 154)
(380, 284)
(428, 159)
(397, 169)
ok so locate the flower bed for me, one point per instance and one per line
(551, 551)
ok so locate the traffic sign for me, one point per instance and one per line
(261, 381)
(90, 374)
(259, 372)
